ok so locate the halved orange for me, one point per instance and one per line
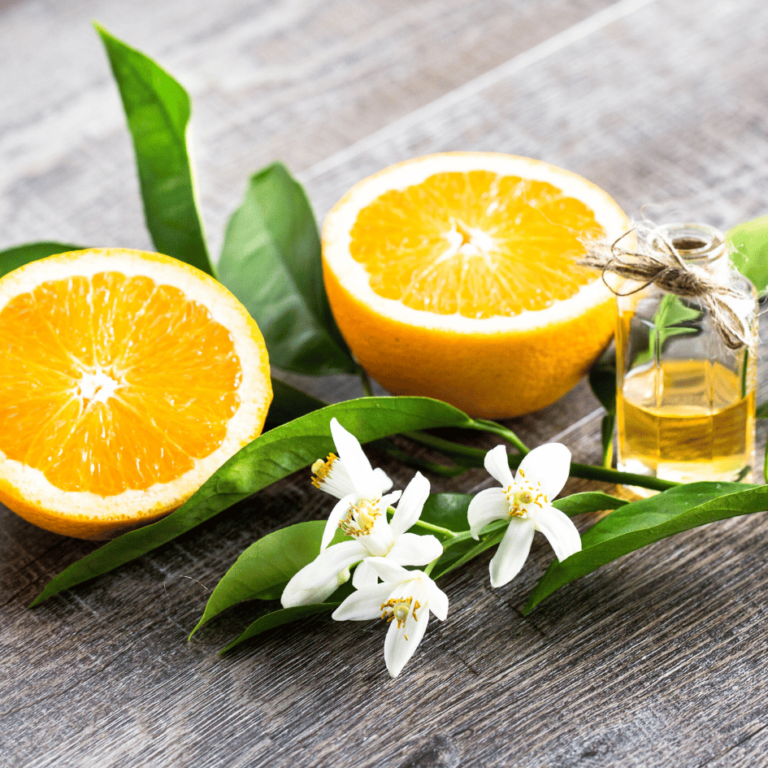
(126, 379)
(455, 276)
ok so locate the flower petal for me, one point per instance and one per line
(401, 644)
(411, 549)
(497, 465)
(294, 594)
(437, 600)
(337, 481)
(363, 605)
(364, 576)
(410, 505)
(390, 571)
(560, 531)
(355, 461)
(549, 465)
(336, 516)
(489, 505)
(388, 500)
(512, 552)
(383, 479)
(313, 578)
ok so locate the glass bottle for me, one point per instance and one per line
(685, 403)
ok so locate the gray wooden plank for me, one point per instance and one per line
(654, 660)
(294, 80)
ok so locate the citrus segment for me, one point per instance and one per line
(127, 379)
(456, 276)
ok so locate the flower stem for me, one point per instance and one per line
(366, 382)
(437, 529)
(457, 537)
(484, 425)
(474, 457)
(428, 526)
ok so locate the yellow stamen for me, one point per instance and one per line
(398, 609)
(320, 469)
(360, 519)
(521, 498)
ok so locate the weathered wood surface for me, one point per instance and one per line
(655, 660)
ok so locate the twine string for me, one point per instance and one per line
(657, 261)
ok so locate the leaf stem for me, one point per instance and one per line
(475, 456)
(365, 380)
(494, 428)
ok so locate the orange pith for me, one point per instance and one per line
(469, 243)
(89, 396)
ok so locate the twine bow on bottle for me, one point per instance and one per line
(657, 261)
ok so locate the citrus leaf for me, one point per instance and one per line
(263, 569)
(158, 109)
(749, 243)
(448, 510)
(589, 501)
(643, 522)
(269, 458)
(288, 403)
(278, 618)
(19, 255)
(271, 261)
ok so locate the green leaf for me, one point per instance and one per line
(272, 456)
(278, 618)
(271, 261)
(263, 569)
(602, 380)
(643, 522)
(762, 411)
(288, 403)
(19, 255)
(158, 109)
(589, 501)
(749, 242)
(448, 510)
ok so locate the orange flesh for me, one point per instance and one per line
(503, 256)
(113, 383)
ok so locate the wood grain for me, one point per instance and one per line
(654, 660)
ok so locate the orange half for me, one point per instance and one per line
(126, 379)
(456, 276)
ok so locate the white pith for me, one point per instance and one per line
(354, 278)
(31, 485)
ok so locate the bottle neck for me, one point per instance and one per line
(698, 244)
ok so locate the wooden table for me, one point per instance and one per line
(657, 659)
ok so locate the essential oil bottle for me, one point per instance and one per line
(685, 400)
